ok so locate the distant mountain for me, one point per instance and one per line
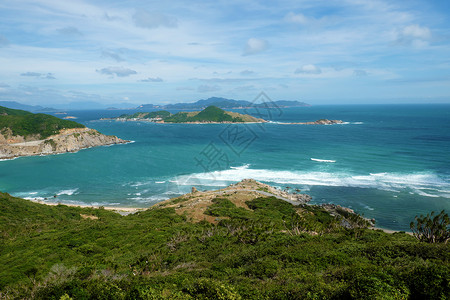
(32, 108)
(224, 104)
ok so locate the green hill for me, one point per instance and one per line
(24, 123)
(4, 111)
(147, 115)
(264, 248)
(210, 114)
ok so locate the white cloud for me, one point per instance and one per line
(414, 35)
(247, 72)
(146, 19)
(296, 18)
(308, 69)
(416, 31)
(255, 46)
(113, 55)
(38, 75)
(150, 79)
(31, 74)
(118, 71)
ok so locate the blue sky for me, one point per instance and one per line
(321, 52)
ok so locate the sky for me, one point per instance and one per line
(134, 52)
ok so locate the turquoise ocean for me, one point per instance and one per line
(388, 162)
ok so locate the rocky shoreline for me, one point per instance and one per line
(68, 140)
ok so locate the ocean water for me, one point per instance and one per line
(388, 162)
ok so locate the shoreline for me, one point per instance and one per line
(124, 211)
(117, 209)
(67, 152)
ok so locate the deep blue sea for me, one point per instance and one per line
(388, 162)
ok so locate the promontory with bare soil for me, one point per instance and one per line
(241, 242)
(26, 134)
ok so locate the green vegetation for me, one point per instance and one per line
(148, 115)
(273, 250)
(209, 114)
(432, 229)
(4, 111)
(24, 123)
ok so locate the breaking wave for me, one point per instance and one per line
(424, 184)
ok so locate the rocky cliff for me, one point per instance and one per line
(68, 140)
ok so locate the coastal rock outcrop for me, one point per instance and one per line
(326, 122)
(318, 122)
(68, 140)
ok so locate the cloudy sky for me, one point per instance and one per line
(108, 51)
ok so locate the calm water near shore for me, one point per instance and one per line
(389, 162)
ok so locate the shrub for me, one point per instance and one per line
(432, 229)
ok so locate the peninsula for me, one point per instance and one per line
(23, 133)
(246, 241)
(210, 115)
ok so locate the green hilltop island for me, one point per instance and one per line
(247, 241)
(211, 114)
(23, 133)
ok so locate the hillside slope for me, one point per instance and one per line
(23, 134)
(249, 246)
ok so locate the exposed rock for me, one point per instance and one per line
(349, 218)
(327, 122)
(68, 140)
(194, 190)
(318, 122)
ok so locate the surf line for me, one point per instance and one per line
(323, 160)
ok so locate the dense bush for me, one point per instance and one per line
(49, 252)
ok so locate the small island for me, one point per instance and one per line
(23, 133)
(210, 115)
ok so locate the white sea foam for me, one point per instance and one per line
(172, 193)
(67, 192)
(243, 167)
(138, 184)
(160, 182)
(34, 198)
(425, 183)
(323, 160)
(149, 199)
(6, 159)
